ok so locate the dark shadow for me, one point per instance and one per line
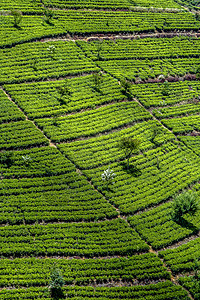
(57, 293)
(18, 27)
(186, 224)
(133, 170)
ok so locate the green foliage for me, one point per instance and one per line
(125, 87)
(56, 283)
(129, 146)
(48, 15)
(63, 90)
(17, 17)
(165, 89)
(108, 176)
(184, 203)
(155, 130)
(34, 64)
(97, 79)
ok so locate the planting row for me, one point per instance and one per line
(112, 4)
(53, 196)
(92, 122)
(144, 184)
(35, 272)
(191, 283)
(182, 258)
(101, 150)
(160, 291)
(52, 98)
(148, 48)
(87, 22)
(165, 94)
(192, 142)
(183, 124)
(41, 61)
(34, 162)
(140, 70)
(20, 134)
(83, 239)
(26, 6)
(9, 111)
(158, 229)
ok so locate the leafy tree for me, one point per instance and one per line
(48, 15)
(184, 203)
(125, 87)
(98, 79)
(63, 90)
(155, 130)
(129, 146)
(108, 176)
(56, 283)
(6, 158)
(99, 48)
(165, 89)
(17, 17)
(34, 64)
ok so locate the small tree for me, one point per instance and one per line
(165, 89)
(34, 64)
(125, 87)
(155, 130)
(17, 17)
(98, 79)
(184, 203)
(48, 15)
(64, 89)
(108, 176)
(56, 283)
(129, 146)
(99, 48)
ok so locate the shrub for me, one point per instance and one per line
(56, 283)
(184, 203)
(17, 17)
(129, 146)
(108, 176)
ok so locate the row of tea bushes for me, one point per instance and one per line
(35, 272)
(84, 239)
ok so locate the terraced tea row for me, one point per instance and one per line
(104, 149)
(21, 134)
(148, 48)
(157, 69)
(83, 239)
(160, 291)
(42, 99)
(92, 122)
(92, 22)
(26, 6)
(41, 61)
(35, 272)
(157, 227)
(112, 4)
(9, 111)
(145, 184)
(168, 93)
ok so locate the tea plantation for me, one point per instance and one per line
(99, 137)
